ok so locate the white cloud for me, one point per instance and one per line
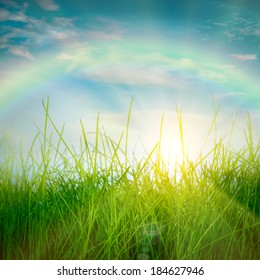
(212, 75)
(238, 28)
(56, 32)
(156, 57)
(5, 15)
(48, 5)
(257, 32)
(137, 76)
(221, 96)
(21, 51)
(221, 24)
(103, 36)
(37, 32)
(108, 31)
(243, 57)
(231, 35)
(13, 4)
(77, 57)
(63, 22)
(111, 25)
(62, 35)
(4, 41)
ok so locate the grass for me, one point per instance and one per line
(100, 204)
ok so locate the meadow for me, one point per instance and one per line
(103, 203)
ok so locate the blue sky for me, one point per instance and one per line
(95, 56)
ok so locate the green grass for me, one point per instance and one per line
(102, 203)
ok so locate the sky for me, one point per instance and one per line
(93, 57)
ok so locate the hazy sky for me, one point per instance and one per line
(94, 56)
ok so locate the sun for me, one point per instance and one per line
(171, 151)
(163, 138)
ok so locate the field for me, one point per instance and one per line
(103, 203)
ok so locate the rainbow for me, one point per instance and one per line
(27, 77)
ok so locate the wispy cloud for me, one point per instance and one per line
(237, 24)
(230, 35)
(230, 94)
(243, 57)
(134, 76)
(172, 63)
(109, 30)
(239, 29)
(62, 35)
(212, 75)
(5, 15)
(63, 22)
(112, 26)
(14, 4)
(48, 5)
(56, 32)
(102, 36)
(21, 51)
(75, 58)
